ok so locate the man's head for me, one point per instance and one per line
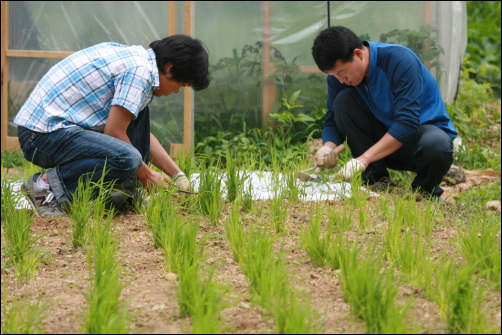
(338, 52)
(332, 44)
(184, 59)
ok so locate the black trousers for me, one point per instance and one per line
(428, 153)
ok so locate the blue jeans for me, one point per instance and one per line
(72, 152)
(428, 152)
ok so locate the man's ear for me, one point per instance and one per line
(358, 53)
(168, 68)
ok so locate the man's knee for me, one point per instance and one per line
(128, 161)
(438, 147)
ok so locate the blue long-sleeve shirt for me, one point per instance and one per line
(400, 92)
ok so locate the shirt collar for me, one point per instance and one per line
(155, 72)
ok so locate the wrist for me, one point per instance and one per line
(178, 175)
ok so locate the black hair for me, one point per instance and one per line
(333, 44)
(188, 56)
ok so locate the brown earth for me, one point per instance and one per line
(150, 290)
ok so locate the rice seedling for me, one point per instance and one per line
(340, 221)
(199, 299)
(371, 292)
(234, 231)
(480, 246)
(292, 313)
(19, 244)
(317, 246)
(106, 312)
(236, 179)
(460, 299)
(79, 210)
(23, 315)
(210, 195)
(262, 269)
(359, 195)
(160, 214)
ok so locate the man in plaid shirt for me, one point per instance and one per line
(89, 113)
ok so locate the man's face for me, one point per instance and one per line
(167, 85)
(353, 72)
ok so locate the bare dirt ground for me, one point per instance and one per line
(150, 291)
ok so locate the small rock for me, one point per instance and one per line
(171, 276)
(493, 205)
(158, 307)
(455, 174)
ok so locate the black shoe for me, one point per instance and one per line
(383, 184)
(370, 176)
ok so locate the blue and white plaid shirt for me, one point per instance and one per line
(79, 90)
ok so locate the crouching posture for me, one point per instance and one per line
(90, 113)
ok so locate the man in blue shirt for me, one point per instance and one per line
(387, 105)
(90, 113)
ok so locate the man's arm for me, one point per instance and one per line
(384, 147)
(161, 159)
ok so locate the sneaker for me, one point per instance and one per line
(41, 200)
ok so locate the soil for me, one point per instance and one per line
(150, 291)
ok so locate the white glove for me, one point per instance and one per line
(325, 157)
(181, 181)
(351, 168)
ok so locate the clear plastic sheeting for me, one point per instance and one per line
(263, 185)
(252, 44)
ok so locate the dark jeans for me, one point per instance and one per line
(428, 152)
(69, 153)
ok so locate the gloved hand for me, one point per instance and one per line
(181, 182)
(326, 157)
(351, 168)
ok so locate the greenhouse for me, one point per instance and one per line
(260, 52)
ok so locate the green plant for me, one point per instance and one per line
(317, 246)
(423, 42)
(484, 47)
(480, 245)
(460, 299)
(19, 244)
(106, 312)
(210, 194)
(23, 315)
(370, 291)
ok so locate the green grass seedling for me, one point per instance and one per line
(359, 196)
(160, 215)
(480, 245)
(278, 213)
(199, 299)
(79, 210)
(17, 241)
(340, 221)
(210, 195)
(234, 231)
(23, 315)
(316, 246)
(235, 179)
(460, 299)
(335, 251)
(179, 244)
(371, 293)
(292, 314)
(262, 269)
(106, 312)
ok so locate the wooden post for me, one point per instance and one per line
(269, 85)
(5, 74)
(187, 91)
